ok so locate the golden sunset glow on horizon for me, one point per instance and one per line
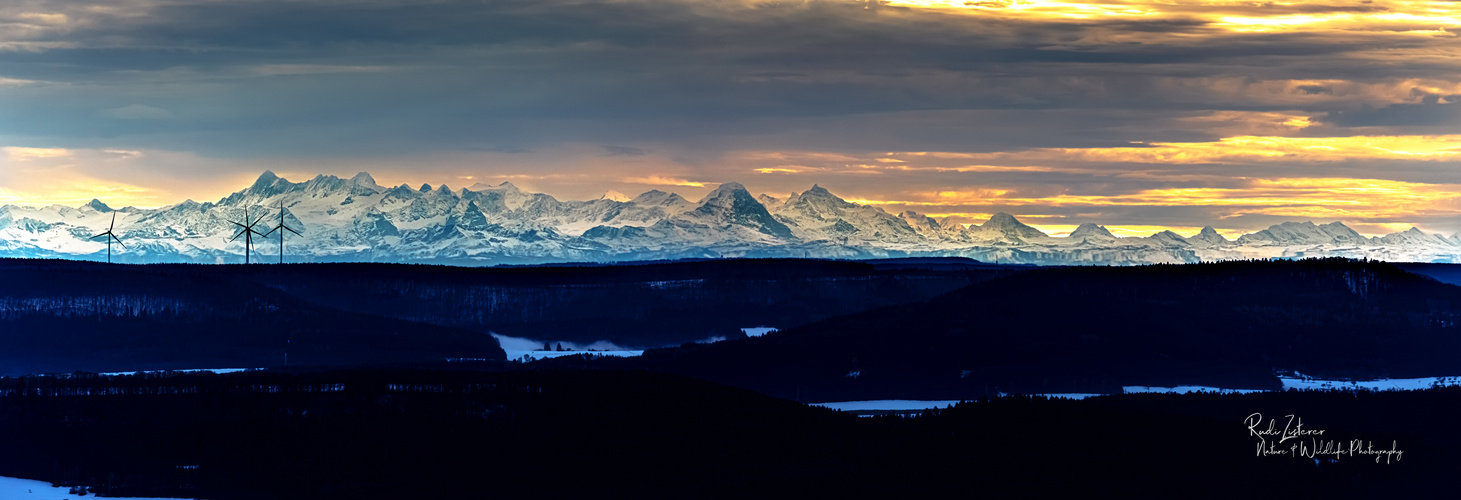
(1426, 18)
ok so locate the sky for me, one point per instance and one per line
(1140, 115)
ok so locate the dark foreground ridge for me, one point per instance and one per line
(365, 434)
(1096, 329)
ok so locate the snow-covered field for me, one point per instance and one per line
(12, 488)
(1301, 382)
(917, 404)
(889, 404)
(1298, 381)
(519, 354)
(519, 348)
(1183, 389)
(214, 370)
(1069, 395)
(758, 331)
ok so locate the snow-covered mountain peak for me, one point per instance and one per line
(1414, 237)
(1208, 237)
(1006, 222)
(268, 185)
(362, 179)
(818, 190)
(1304, 233)
(612, 195)
(96, 205)
(732, 204)
(1002, 219)
(770, 202)
(1091, 232)
(725, 191)
(355, 219)
(511, 197)
(1169, 238)
(482, 187)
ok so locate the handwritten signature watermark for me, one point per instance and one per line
(1292, 439)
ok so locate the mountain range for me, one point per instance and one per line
(357, 219)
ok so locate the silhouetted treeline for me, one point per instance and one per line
(364, 434)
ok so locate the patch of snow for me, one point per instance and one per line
(12, 488)
(1182, 389)
(513, 354)
(195, 370)
(1069, 395)
(519, 348)
(758, 331)
(888, 404)
(1301, 382)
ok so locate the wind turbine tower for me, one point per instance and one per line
(111, 237)
(281, 228)
(248, 232)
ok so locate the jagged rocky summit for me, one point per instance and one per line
(358, 220)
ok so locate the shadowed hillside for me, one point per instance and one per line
(58, 316)
(1096, 329)
(635, 305)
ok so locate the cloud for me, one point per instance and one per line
(655, 180)
(622, 151)
(138, 112)
(1094, 99)
(27, 154)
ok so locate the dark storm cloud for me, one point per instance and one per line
(1426, 114)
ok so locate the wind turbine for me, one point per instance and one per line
(111, 237)
(248, 232)
(281, 234)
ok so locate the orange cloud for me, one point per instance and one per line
(1245, 149)
(1320, 198)
(1384, 17)
(655, 180)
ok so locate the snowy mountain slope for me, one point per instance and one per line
(357, 219)
(817, 214)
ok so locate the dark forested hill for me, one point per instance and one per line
(1095, 329)
(633, 305)
(58, 316)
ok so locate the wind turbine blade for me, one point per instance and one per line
(271, 231)
(256, 221)
(287, 228)
(119, 241)
(100, 235)
(240, 233)
(114, 222)
(236, 224)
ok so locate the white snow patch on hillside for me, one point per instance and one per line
(1301, 382)
(1182, 389)
(195, 370)
(12, 488)
(532, 349)
(889, 404)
